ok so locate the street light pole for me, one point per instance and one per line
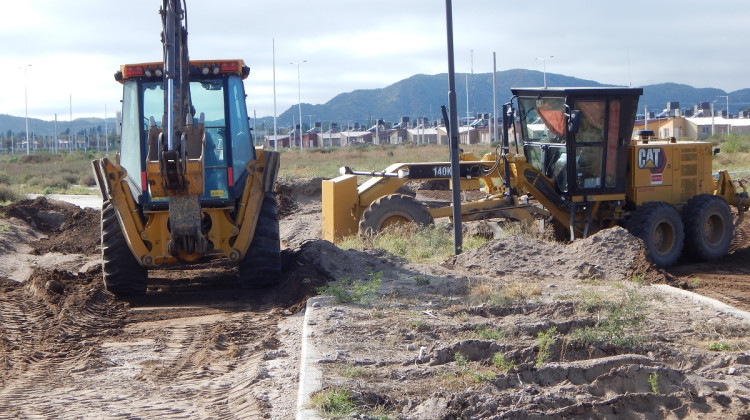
(26, 99)
(299, 101)
(544, 66)
(727, 98)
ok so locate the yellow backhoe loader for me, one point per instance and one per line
(187, 184)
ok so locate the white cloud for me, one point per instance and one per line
(74, 48)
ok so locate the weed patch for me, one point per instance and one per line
(500, 362)
(618, 320)
(353, 291)
(333, 402)
(419, 244)
(653, 380)
(544, 341)
(719, 347)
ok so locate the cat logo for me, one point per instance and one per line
(653, 159)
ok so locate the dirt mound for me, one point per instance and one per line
(609, 254)
(299, 210)
(69, 229)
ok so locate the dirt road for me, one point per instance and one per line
(422, 347)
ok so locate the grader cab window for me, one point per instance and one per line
(543, 125)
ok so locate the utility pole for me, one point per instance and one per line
(26, 96)
(299, 101)
(452, 125)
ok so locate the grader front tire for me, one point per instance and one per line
(392, 210)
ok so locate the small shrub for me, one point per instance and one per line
(460, 359)
(718, 347)
(422, 280)
(347, 291)
(653, 380)
(7, 194)
(489, 333)
(499, 361)
(545, 340)
(34, 158)
(88, 180)
(333, 402)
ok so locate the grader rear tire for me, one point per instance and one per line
(123, 275)
(660, 227)
(392, 210)
(708, 227)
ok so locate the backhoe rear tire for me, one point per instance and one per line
(123, 275)
(391, 210)
(708, 227)
(660, 227)
(261, 266)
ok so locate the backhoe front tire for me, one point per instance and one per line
(123, 275)
(708, 227)
(391, 210)
(261, 266)
(660, 227)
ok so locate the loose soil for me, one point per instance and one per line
(427, 344)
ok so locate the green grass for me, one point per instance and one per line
(734, 155)
(334, 402)
(346, 290)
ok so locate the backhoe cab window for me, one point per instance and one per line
(222, 126)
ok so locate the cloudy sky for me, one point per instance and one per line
(74, 47)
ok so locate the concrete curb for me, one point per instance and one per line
(703, 299)
(310, 377)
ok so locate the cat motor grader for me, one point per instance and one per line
(578, 169)
(187, 184)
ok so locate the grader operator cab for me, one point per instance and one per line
(188, 184)
(574, 166)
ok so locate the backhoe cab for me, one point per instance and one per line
(188, 184)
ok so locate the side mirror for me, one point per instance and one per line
(508, 122)
(574, 121)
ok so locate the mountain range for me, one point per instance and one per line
(422, 95)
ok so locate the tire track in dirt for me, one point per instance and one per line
(80, 352)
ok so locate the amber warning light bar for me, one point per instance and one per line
(197, 69)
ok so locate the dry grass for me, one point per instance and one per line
(428, 244)
(46, 173)
(325, 163)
